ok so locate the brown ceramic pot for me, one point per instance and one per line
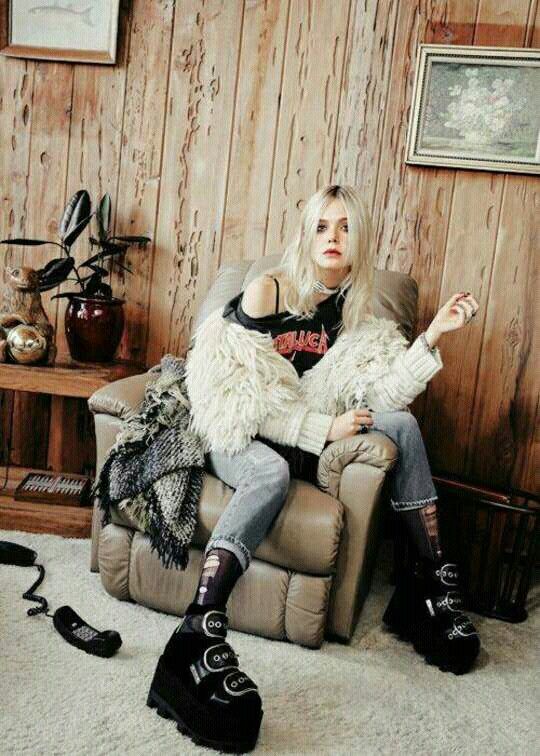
(94, 327)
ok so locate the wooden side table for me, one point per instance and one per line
(64, 379)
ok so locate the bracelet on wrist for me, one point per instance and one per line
(425, 341)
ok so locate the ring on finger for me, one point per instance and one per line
(465, 311)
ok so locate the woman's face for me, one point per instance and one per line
(331, 234)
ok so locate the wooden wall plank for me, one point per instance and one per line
(395, 212)
(505, 412)
(140, 164)
(204, 63)
(51, 106)
(16, 87)
(314, 58)
(364, 95)
(254, 131)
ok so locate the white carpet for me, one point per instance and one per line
(375, 696)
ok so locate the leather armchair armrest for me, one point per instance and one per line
(373, 448)
(354, 470)
(120, 398)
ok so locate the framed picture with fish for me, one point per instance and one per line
(80, 31)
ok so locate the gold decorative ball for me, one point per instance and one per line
(26, 344)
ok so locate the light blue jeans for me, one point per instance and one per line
(261, 475)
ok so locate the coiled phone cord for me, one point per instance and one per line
(33, 597)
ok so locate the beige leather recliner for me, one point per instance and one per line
(310, 575)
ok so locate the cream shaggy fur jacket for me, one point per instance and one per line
(240, 386)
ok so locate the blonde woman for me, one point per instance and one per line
(322, 290)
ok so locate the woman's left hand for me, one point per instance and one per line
(457, 312)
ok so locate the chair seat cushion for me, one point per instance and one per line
(304, 536)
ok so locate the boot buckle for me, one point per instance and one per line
(237, 683)
(449, 602)
(215, 659)
(213, 624)
(448, 574)
(462, 627)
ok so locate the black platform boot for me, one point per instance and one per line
(198, 683)
(427, 610)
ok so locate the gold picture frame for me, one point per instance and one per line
(476, 108)
(77, 31)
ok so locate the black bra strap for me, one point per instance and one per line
(277, 295)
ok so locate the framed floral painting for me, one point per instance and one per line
(81, 31)
(477, 108)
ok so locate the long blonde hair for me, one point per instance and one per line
(300, 268)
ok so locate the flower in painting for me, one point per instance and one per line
(481, 113)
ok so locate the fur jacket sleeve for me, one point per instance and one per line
(240, 386)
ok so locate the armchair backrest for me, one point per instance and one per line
(395, 295)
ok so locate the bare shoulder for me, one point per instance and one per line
(259, 297)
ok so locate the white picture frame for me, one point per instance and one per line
(78, 31)
(476, 108)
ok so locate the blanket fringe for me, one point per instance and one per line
(165, 507)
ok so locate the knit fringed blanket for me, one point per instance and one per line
(155, 469)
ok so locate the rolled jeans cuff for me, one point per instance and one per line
(232, 544)
(400, 506)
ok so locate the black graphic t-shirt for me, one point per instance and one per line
(303, 341)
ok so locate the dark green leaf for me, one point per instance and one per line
(76, 216)
(123, 267)
(96, 268)
(104, 290)
(102, 256)
(60, 266)
(103, 216)
(24, 242)
(66, 294)
(76, 232)
(93, 284)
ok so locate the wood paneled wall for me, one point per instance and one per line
(217, 123)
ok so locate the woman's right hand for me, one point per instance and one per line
(349, 424)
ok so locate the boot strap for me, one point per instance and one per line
(215, 658)
(452, 601)
(461, 628)
(447, 574)
(214, 624)
(235, 684)
(220, 658)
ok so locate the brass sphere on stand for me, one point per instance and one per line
(26, 344)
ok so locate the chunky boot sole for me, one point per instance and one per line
(173, 700)
(423, 640)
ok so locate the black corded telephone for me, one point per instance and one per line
(68, 623)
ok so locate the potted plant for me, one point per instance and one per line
(94, 318)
